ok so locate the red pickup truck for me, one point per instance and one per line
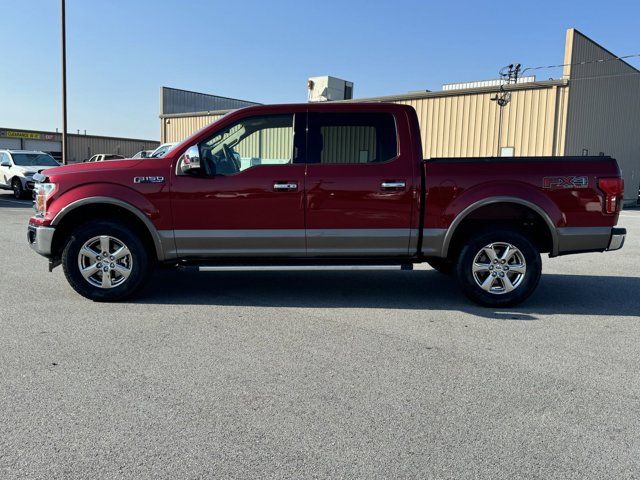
(323, 184)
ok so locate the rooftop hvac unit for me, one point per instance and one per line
(325, 88)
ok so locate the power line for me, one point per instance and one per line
(586, 62)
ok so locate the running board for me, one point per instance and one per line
(296, 268)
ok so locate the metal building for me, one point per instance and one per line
(79, 147)
(592, 109)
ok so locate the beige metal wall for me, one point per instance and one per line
(467, 123)
(343, 145)
(272, 144)
(461, 123)
(81, 147)
(604, 107)
(177, 128)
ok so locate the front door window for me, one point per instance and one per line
(253, 141)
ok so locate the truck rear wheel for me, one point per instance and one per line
(499, 268)
(105, 261)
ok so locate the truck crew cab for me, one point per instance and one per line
(323, 184)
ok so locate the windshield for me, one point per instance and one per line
(34, 160)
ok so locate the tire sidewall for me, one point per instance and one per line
(139, 271)
(522, 292)
(19, 193)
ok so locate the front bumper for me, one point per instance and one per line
(618, 236)
(40, 239)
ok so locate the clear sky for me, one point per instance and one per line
(120, 52)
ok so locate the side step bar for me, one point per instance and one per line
(297, 268)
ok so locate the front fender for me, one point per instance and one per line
(107, 193)
(111, 194)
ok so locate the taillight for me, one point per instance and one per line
(613, 189)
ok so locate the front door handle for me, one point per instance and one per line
(285, 186)
(395, 185)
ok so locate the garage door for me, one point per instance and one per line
(43, 145)
(10, 143)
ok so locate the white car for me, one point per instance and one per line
(162, 150)
(17, 168)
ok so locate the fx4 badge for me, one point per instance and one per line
(148, 179)
(570, 181)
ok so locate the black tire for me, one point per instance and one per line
(499, 296)
(441, 265)
(140, 267)
(18, 191)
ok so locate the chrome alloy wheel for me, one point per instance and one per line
(499, 268)
(105, 261)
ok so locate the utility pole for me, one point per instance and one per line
(510, 75)
(64, 83)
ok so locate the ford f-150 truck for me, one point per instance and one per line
(323, 184)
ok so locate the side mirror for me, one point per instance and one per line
(143, 154)
(190, 161)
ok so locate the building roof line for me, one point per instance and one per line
(210, 95)
(463, 91)
(82, 135)
(205, 113)
(406, 96)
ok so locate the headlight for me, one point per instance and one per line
(29, 174)
(42, 192)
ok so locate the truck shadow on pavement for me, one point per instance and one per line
(398, 290)
(7, 201)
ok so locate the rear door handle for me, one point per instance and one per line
(395, 185)
(285, 186)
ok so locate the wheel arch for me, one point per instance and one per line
(105, 207)
(19, 178)
(466, 215)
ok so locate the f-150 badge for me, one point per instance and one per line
(569, 181)
(148, 179)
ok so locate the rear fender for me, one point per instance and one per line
(500, 192)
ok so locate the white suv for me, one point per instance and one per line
(17, 168)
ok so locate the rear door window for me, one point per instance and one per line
(351, 138)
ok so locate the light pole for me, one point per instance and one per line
(64, 84)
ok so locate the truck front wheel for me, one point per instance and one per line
(105, 261)
(499, 268)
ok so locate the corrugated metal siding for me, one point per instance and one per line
(343, 145)
(173, 100)
(467, 125)
(460, 124)
(273, 143)
(177, 129)
(81, 147)
(604, 108)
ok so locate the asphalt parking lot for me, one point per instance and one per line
(385, 374)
